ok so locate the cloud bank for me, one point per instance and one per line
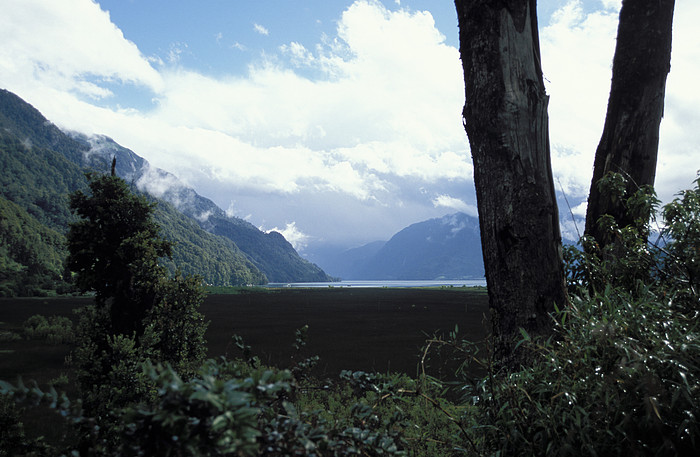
(367, 119)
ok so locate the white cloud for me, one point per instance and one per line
(577, 53)
(679, 150)
(176, 51)
(386, 103)
(291, 233)
(371, 111)
(70, 46)
(446, 201)
(612, 4)
(157, 183)
(260, 29)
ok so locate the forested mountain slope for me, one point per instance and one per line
(40, 166)
(270, 252)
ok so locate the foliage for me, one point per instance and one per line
(107, 365)
(114, 250)
(626, 259)
(31, 254)
(8, 335)
(13, 438)
(38, 180)
(140, 314)
(270, 252)
(215, 258)
(681, 255)
(54, 329)
(175, 326)
(239, 407)
(620, 376)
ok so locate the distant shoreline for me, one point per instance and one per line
(481, 282)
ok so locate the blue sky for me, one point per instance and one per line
(331, 121)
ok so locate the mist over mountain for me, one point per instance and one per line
(269, 252)
(442, 248)
(41, 165)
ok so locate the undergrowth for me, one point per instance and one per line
(619, 376)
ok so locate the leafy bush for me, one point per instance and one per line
(239, 407)
(620, 377)
(621, 374)
(7, 335)
(54, 329)
(681, 255)
(13, 439)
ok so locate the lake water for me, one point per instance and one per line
(359, 283)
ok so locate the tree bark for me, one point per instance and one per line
(505, 117)
(630, 140)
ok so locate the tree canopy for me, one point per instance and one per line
(114, 250)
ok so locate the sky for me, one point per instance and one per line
(333, 122)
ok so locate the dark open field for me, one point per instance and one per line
(349, 328)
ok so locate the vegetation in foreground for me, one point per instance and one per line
(620, 376)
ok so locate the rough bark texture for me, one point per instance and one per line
(505, 117)
(630, 139)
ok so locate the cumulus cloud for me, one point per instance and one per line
(385, 102)
(578, 45)
(70, 46)
(577, 52)
(363, 114)
(445, 201)
(291, 233)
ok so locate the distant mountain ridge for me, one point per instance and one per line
(270, 252)
(40, 165)
(442, 248)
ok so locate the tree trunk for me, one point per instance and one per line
(505, 116)
(630, 139)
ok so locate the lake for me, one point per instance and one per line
(386, 283)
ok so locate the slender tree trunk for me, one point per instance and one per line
(630, 139)
(505, 116)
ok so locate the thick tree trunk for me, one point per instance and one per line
(505, 117)
(630, 139)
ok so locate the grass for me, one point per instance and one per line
(369, 329)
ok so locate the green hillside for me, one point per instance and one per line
(35, 181)
(31, 254)
(38, 180)
(215, 258)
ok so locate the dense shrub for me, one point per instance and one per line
(621, 377)
(13, 439)
(239, 407)
(8, 335)
(54, 329)
(621, 374)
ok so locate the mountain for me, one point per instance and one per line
(443, 248)
(341, 262)
(40, 166)
(38, 173)
(270, 252)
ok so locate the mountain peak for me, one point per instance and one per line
(447, 247)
